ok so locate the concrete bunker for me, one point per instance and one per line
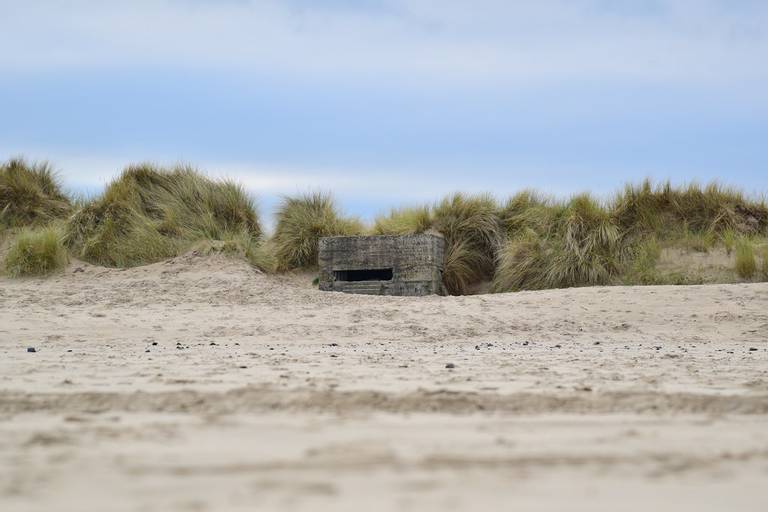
(382, 265)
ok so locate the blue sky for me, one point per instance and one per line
(391, 102)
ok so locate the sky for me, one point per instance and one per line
(389, 103)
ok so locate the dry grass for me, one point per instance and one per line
(150, 213)
(473, 235)
(746, 263)
(647, 208)
(581, 245)
(403, 221)
(301, 222)
(36, 252)
(30, 195)
(529, 242)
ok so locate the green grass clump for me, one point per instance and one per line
(404, 221)
(646, 208)
(36, 252)
(728, 238)
(697, 241)
(529, 210)
(473, 234)
(30, 195)
(301, 222)
(150, 213)
(746, 264)
(642, 269)
(584, 246)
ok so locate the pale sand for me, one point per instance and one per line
(262, 393)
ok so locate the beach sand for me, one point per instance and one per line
(201, 384)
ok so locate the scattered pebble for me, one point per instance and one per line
(751, 349)
(31, 349)
(450, 365)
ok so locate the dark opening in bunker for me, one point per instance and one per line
(369, 274)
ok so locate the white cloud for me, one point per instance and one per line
(438, 42)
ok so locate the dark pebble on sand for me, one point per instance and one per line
(751, 349)
(154, 343)
(31, 349)
(450, 365)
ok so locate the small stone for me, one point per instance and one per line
(751, 349)
(31, 349)
(243, 367)
(558, 346)
(154, 343)
(450, 365)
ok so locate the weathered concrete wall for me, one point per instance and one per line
(416, 262)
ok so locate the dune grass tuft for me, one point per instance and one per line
(714, 208)
(301, 222)
(529, 210)
(728, 238)
(473, 234)
(30, 195)
(36, 252)
(746, 264)
(583, 246)
(150, 213)
(404, 221)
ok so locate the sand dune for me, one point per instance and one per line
(201, 384)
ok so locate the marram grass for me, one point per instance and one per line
(301, 222)
(30, 195)
(36, 252)
(473, 234)
(529, 241)
(582, 246)
(403, 221)
(746, 263)
(150, 213)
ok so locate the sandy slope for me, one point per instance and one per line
(199, 384)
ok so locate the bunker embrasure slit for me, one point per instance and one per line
(369, 274)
